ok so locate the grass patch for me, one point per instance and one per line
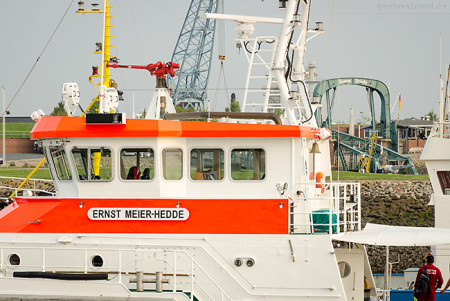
(41, 173)
(44, 173)
(17, 130)
(356, 176)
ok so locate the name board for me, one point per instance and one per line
(139, 214)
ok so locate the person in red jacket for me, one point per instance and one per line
(436, 280)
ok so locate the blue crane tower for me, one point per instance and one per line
(193, 52)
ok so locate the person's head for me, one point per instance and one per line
(430, 258)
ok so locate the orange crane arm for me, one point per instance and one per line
(159, 69)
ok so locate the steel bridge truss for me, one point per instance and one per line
(349, 148)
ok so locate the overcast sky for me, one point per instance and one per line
(396, 42)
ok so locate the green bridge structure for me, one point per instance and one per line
(350, 149)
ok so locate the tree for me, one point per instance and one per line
(180, 109)
(94, 108)
(432, 115)
(59, 110)
(234, 107)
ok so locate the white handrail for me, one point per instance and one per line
(340, 201)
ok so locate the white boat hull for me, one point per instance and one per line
(203, 264)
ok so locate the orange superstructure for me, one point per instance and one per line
(219, 216)
(61, 127)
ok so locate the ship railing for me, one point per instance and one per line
(174, 270)
(195, 266)
(321, 208)
(441, 130)
(30, 188)
(383, 294)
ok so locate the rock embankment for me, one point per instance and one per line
(400, 203)
(7, 185)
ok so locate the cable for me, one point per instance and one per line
(37, 60)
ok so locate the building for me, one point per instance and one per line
(412, 134)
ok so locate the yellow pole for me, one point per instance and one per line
(371, 150)
(92, 103)
(107, 55)
(27, 178)
(106, 45)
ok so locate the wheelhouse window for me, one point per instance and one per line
(93, 164)
(59, 159)
(248, 164)
(137, 164)
(172, 163)
(444, 180)
(206, 164)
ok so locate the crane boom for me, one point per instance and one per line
(159, 69)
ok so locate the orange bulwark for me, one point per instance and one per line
(201, 216)
(65, 127)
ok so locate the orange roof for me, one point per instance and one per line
(65, 127)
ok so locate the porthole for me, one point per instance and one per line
(14, 259)
(250, 262)
(344, 269)
(238, 262)
(97, 261)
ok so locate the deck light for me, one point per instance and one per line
(282, 187)
(120, 95)
(94, 70)
(282, 4)
(37, 115)
(95, 7)
(319, 26)
(80, 6)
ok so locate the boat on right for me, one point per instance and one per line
(436, 155)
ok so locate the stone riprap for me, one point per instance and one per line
(400, 203)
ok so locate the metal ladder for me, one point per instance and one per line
(259, 55)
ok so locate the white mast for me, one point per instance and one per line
(441, 106)
(298, 69)
(441, 113)
(279, 63)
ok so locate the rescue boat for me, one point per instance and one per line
(240, 206)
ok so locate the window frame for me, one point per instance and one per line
(89, 148)
(212, 148)
(54, 170)
(163, 162)
(442, 180)
(247, 148)
(155, 164)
